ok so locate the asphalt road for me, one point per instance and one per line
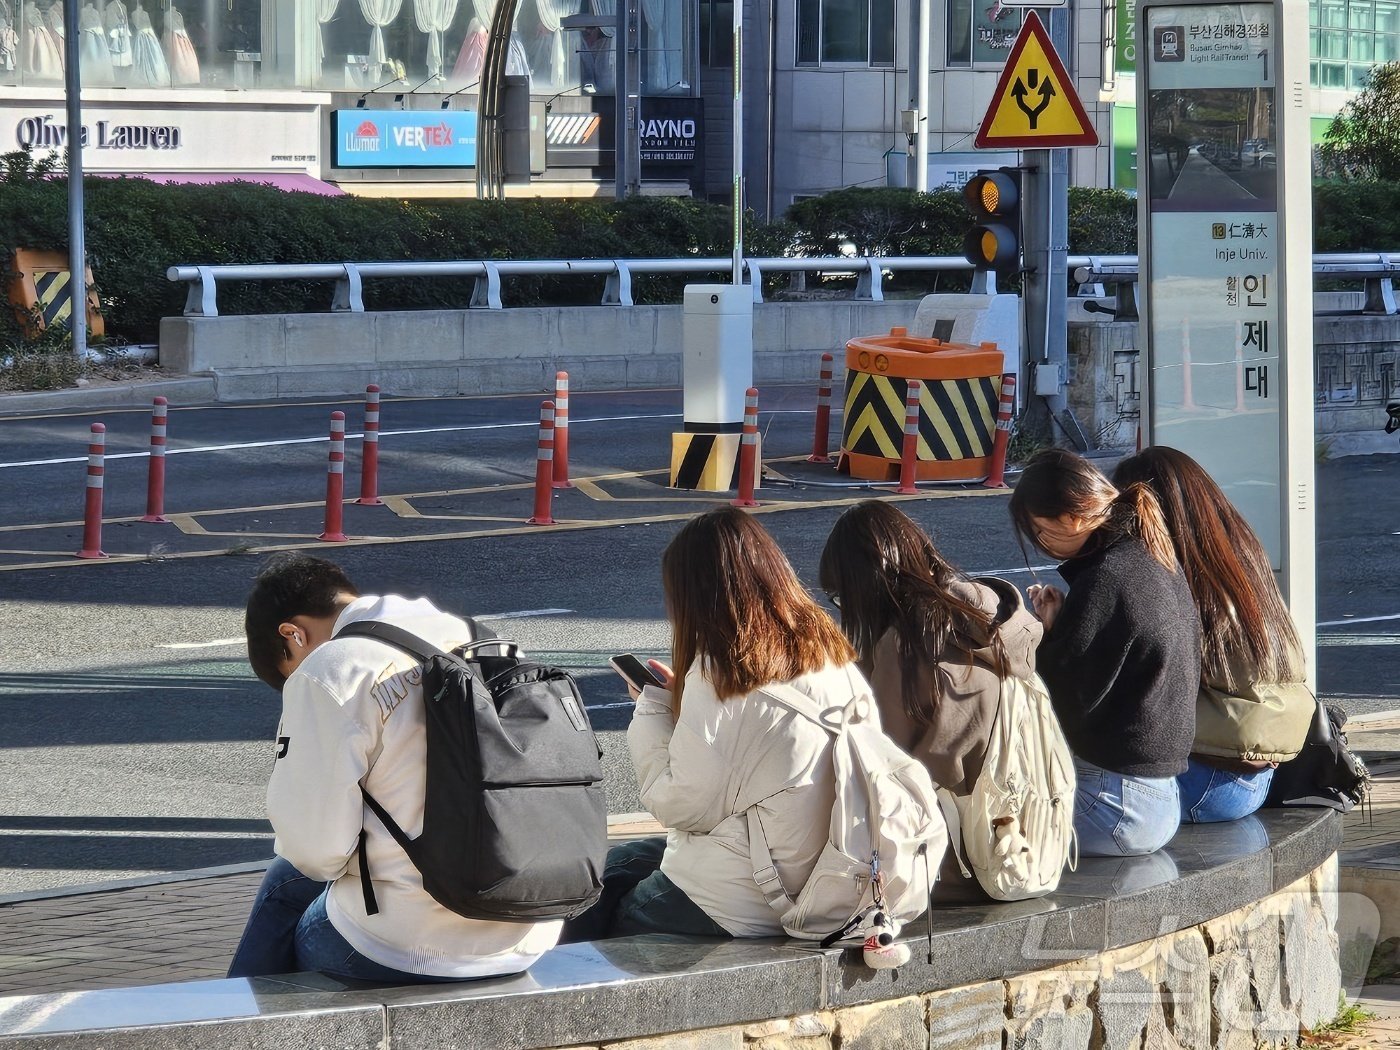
(135, 739)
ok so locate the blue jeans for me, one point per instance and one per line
(1209, 794)
(1116, 815)
(288, 932)
(320, 947)
(268, 943)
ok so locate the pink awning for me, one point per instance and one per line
(283, 180)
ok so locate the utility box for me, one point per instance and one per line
(718, 362)
(716, 371)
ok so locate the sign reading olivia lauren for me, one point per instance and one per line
(396, 138)
(42, 132)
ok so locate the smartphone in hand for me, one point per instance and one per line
(636, 673)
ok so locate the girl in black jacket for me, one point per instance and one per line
(1121, 652)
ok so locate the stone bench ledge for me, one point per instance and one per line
(587, 994)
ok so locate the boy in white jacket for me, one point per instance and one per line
(352, 715)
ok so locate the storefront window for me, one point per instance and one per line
(854, 32)
(355, 45)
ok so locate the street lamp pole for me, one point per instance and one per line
(738, 261)
(77, 252)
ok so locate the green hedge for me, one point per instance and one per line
(136, 229)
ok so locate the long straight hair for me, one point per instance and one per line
(736, 605)
(1243, 616)
(1058, 482)
(887, 575)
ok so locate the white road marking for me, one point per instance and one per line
(522, 614)
(322, 439)
(215, 644)
(1008, 572)
(1358, 619)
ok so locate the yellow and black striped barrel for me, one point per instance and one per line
(957, 406)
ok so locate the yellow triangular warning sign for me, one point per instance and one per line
(1035, 105)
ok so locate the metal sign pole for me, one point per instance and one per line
(737, 263)
(77, 250)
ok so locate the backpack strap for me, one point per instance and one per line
(765, 873)
(478, 637)
(952, 816)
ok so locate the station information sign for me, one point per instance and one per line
(1212, 205)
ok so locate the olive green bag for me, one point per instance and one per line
(1260, 722)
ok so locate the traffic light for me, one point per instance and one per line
(994, 200)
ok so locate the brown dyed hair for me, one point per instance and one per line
(1243, 616)
(1057, 482)
(887, 574)
(736, 605)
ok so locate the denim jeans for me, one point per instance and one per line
(1209, 794)
(268, 942)
(1116, 815)
(320, 947)
(637, 898)
(288, 932)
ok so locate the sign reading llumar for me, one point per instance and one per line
(394, 138)
(40, 132)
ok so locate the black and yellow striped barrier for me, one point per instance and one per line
(40, 292)
(707, 462)
(958, 404)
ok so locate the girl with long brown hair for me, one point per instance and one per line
(1121, 652)
(934, 643)
(714, 742)
(1252, 711)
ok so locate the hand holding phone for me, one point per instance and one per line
(635, 673)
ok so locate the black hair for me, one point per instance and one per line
(288, 585)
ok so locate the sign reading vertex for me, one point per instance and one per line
(1035, 105)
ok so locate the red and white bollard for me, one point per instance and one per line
(748, 451)
(92, 509)
(561, 431)
(909, 460)
(996, 477)
(155, 472)
(369, 451)
(544, 468)
(335, 483)
(821, 438)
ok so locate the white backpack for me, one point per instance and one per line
(1015, 830)
(887, 833)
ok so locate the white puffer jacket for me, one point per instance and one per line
(699, 776)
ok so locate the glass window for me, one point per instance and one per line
(1313, 73)
(1387, 16)
(846, 32)
(1387, 48)
(1358, 77)
(1361, 15)
(1333, 14)
(1313, 42)
(1363, 47)
(959, 32)
(994, 30)
(1334, 75)
(717, 33)
(1334, 44)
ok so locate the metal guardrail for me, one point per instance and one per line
(1376, 270)
(349, 278)
(1093, 274)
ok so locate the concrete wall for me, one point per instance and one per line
(495, 351)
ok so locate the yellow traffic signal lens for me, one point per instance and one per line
(991, 195)
(989, 246)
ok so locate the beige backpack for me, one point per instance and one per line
(887, 835)
(1015, 829)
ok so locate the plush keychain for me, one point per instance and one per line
(880, 951)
